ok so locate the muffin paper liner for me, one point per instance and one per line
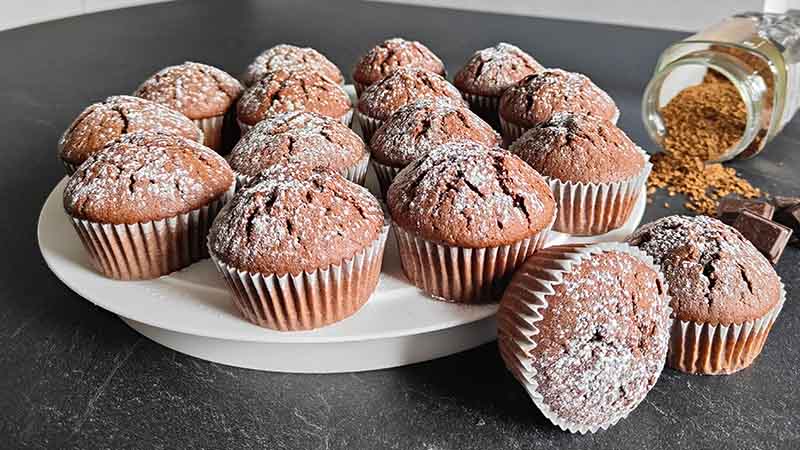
(462, 275)
(356, 173)
(522, 307)
(385, 175)
(716, 349)
(308, 300)
(484, 106)
(146, 250)
(212, 131)
(360, 88)
(596, 208)
(368, 125)
(511, 131)
(346, 119)
(70, 168)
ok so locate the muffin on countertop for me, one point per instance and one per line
(390, 55)
(103, 122)
(536, 98)
(475, 201)
(282, 235)
(586, 329)
(201, 92)
(290, 58)
(303, 137)
(123, 199)
(283, 91)
(405, 85)
(717, 278)
(590, 159)
(489, 72)
(416, 128)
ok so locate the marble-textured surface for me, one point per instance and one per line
(74, 376)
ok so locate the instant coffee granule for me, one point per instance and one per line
(702, 122)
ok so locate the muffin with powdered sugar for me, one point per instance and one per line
(383, 59)
(290, 58)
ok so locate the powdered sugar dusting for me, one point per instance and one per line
(194, 89)
(102, 122)
(466, 194)
(415, 129)
(290, 58)
(714, 273)
(404, 86)
(283, 91)
(492, 70)
(146, 176)
(537, 97)
(294, 218)
(297, 136)
(392, 54)
(602, 340)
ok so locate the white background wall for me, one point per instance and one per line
(673, 14)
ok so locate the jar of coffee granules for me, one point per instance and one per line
(728, 90)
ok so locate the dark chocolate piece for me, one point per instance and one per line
(730, 207)
(790, 217)
(782, 201)
(769, 237)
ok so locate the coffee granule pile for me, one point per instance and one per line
(702, 122)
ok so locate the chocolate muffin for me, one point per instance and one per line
(536, 98)
(290, 58)
(489, 72)
(416, 128)
(403, 86)
(595, 171)
(465, 217)
(302, 137)
(200, 92)
(585, 329)
(103, 122)
(143, 204)
(283, 91)
(299, 248)
(725, 294)
(390, 55)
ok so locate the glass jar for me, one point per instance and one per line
(757, 52)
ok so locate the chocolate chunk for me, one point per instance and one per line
(782, 201)
(730, 207)
(769, 237)
(790, 217)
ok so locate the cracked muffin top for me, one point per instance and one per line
(467, 195)
(102, 122)
(489, 72)
(297, 136)
(290, 58)
(198, 91)
(536, 98)
(146, 176)
(293, 219)
(392, 54)
(580, 148)
(283, 91)
(715, 274)
(404, 86)
(602, 338)
(415, 129)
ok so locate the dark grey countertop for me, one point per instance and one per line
(75, 376)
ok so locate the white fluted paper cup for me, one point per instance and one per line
(596, 208)
(385, 175)
(460, 274)
(484, 106)
(368, 125)
(148, 250)
(212, 131)
(308, 300)
(716, 349)
(523, 305)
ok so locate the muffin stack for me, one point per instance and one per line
(299, 241)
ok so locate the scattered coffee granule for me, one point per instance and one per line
(702, 122)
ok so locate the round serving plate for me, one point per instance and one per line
(190, 311)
